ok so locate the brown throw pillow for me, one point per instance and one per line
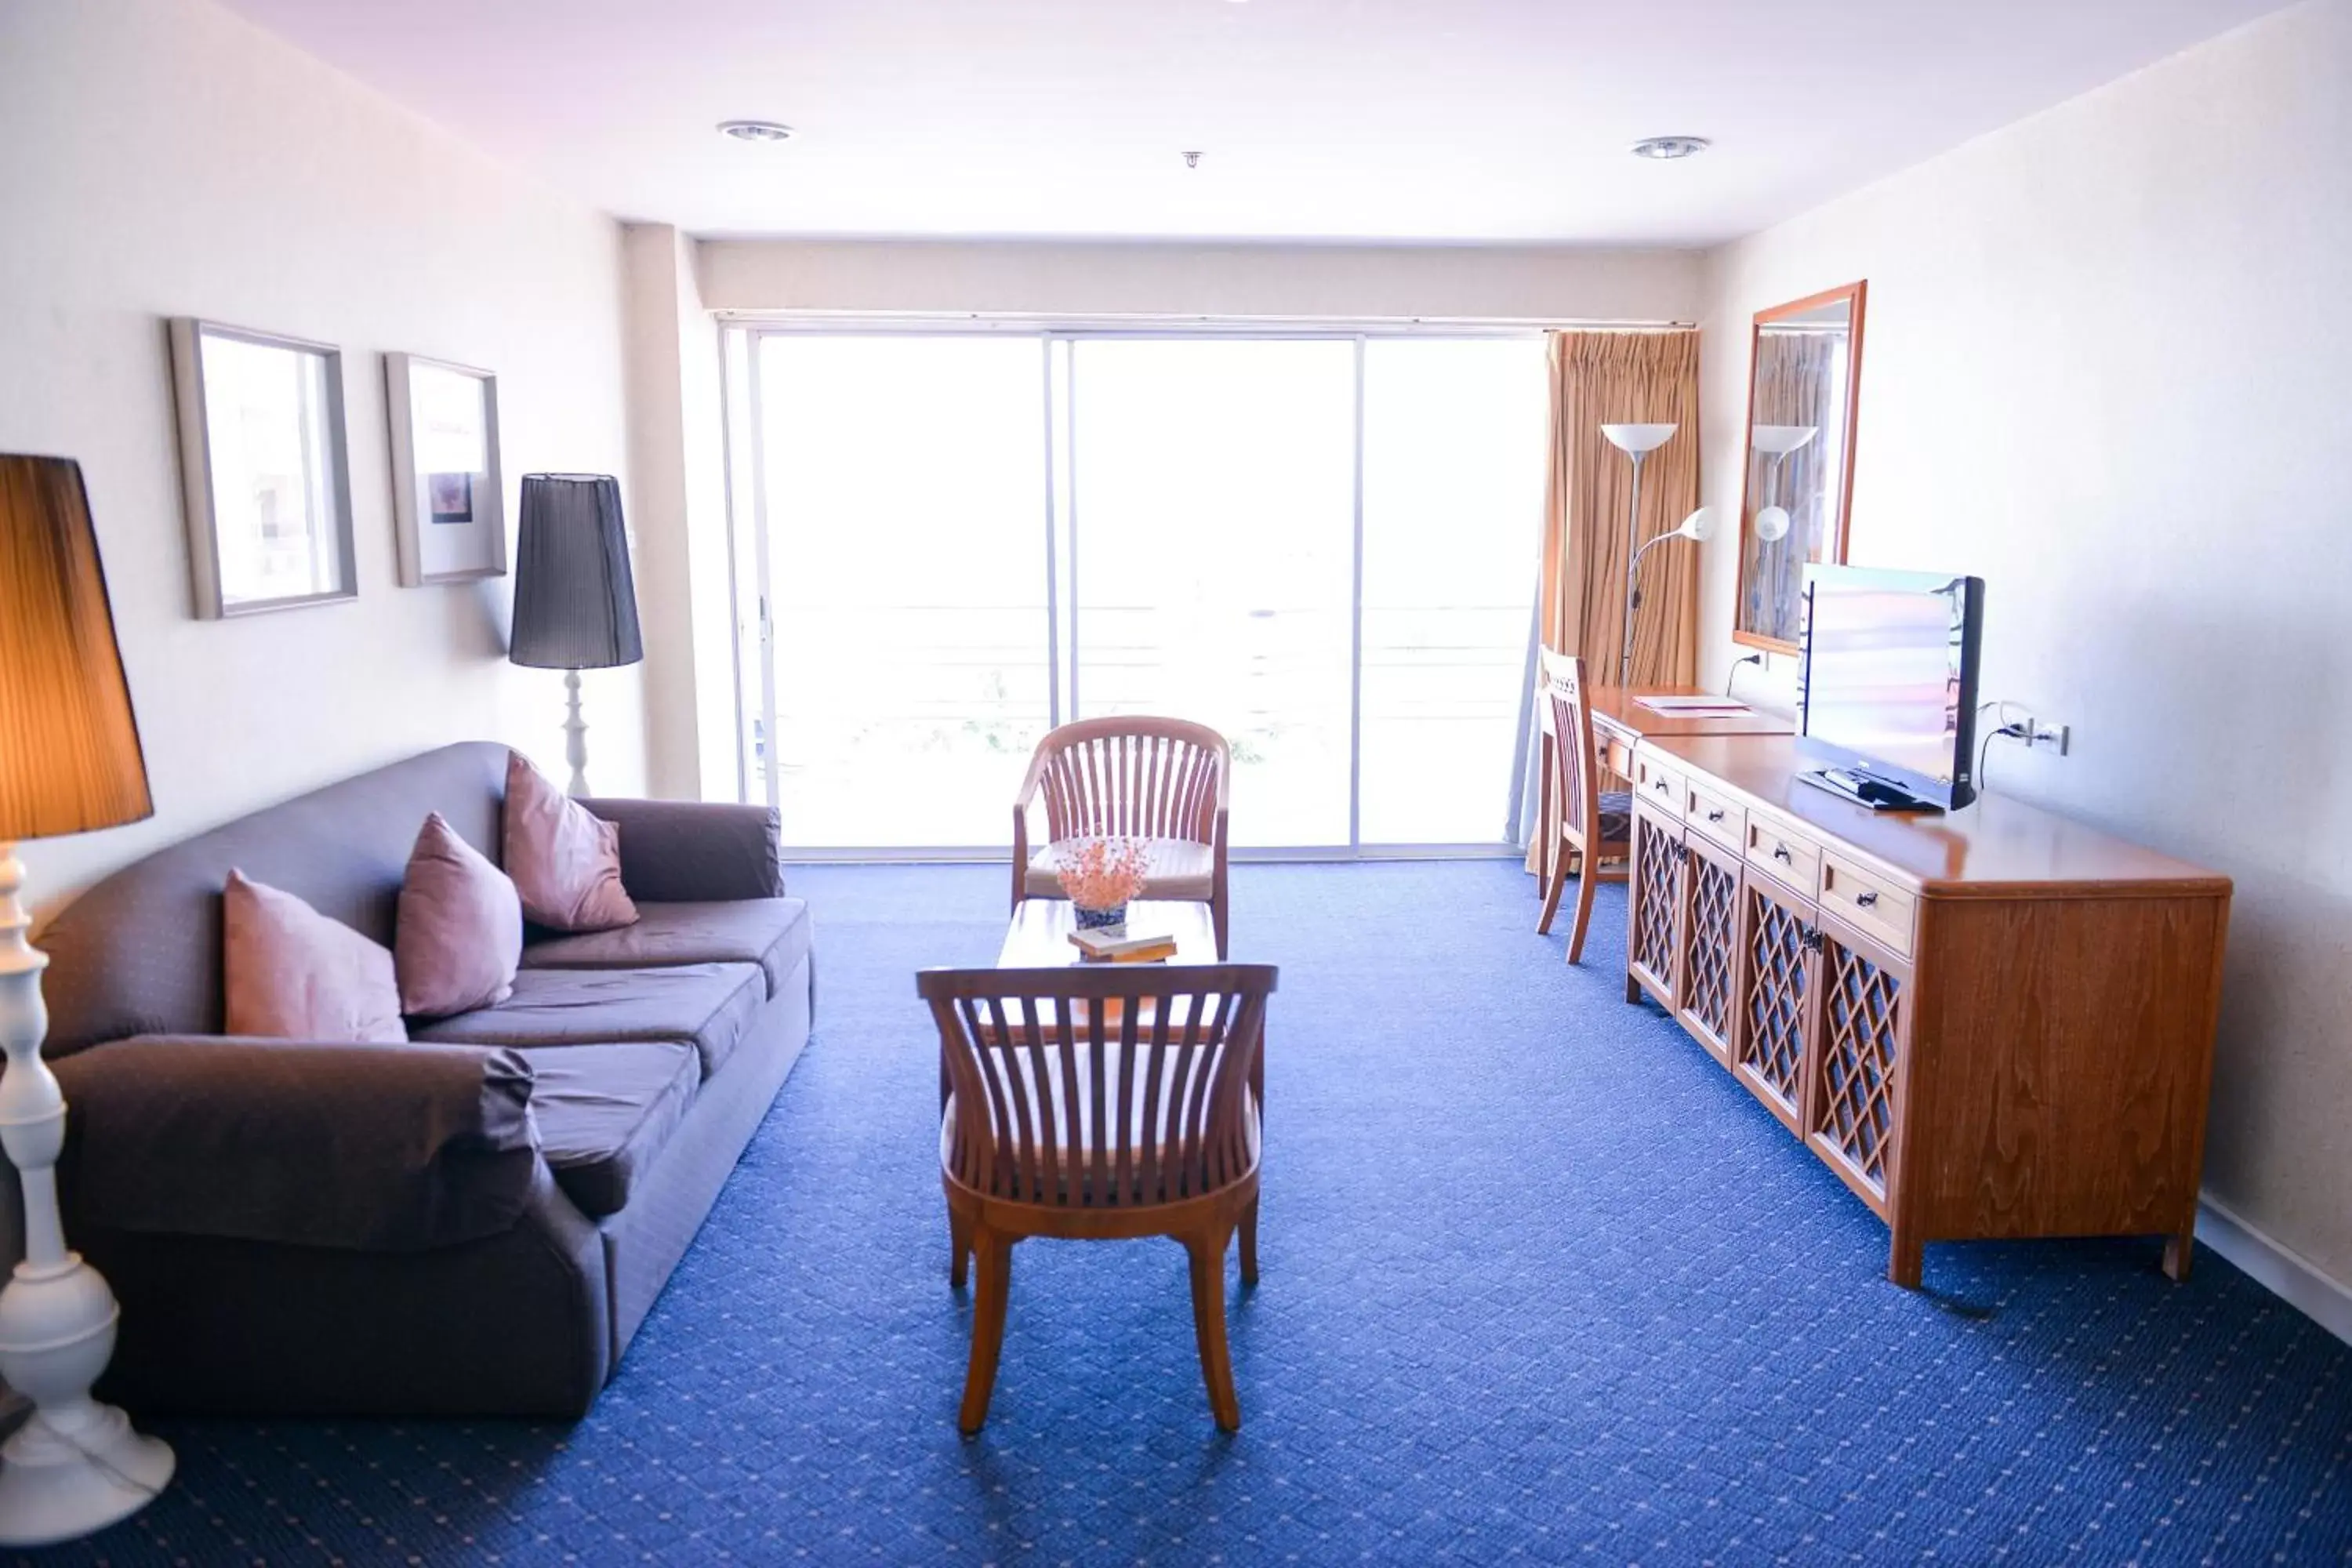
(459, 936)
(292, 973)
(565, 860)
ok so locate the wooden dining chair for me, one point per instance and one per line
(1595, 826)
(1101, 1103)
(1163, 780)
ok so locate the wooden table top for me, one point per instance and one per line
(1039, 934)
(1995, 844)
(1620, 708)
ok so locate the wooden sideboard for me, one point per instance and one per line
(1993, 1022)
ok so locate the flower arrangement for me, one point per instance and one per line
(1100, 875)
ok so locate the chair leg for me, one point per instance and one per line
(996, 1258)
(1249, 1245)
(960, 1240)
(1208, 1256)
(1551, 893)
(1217, 914)
(1583, 913)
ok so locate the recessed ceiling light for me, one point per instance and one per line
(1671, 146)
(756, 130)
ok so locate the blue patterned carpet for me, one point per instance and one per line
(1541, 1283)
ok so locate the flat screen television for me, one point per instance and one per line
(1887, 689)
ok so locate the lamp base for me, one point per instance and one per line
(69, 1472)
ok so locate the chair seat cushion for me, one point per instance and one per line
(771, 932)
(709, 1006)
(1172, 869)
(605, 1111)
(1616, 813)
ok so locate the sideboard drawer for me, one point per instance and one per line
(1791, 857)
(1718, 816)
(1660, 786)
(1866, 901)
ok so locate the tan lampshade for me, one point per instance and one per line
(69, 757)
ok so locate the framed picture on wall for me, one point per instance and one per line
(447, 490)
(264, 471)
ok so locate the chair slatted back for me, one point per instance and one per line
(1574, 753)
(1111, 1085)
(1133, 777)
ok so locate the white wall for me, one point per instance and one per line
(2108, 368)
(1535, 283)
(162, 158)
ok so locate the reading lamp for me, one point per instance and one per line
(575, 602)
(1637, 442)
(1698, 527)
(69, 762)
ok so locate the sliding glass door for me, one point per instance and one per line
(1322, 545)
(903, 483)
(1212, 536)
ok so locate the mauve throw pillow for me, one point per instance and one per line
(292, 973)
(565, 859)
(459, 932)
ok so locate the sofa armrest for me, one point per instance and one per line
(377, 1148)
(692, 851)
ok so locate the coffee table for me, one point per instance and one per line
(1039, 935)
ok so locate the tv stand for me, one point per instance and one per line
(1991, 1023)
(1867, 789)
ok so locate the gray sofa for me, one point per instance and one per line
(474, 1223)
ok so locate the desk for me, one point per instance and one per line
(1988, 1023)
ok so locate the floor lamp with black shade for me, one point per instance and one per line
(69, 762)
(575, 602)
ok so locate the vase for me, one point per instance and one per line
(1100, 920)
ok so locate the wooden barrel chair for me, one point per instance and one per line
(1163, 780)
(1103, 1102)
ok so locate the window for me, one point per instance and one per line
(1322, 545)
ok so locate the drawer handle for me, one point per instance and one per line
(1660, 786)
(1780, 853)
(1714, 816)
(1865, 900)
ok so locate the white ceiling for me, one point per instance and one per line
(1427, 120)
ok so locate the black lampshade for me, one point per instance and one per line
(575, 602)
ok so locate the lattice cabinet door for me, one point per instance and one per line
(1865, 1028)
(1654, 907)
(1773, 1024)
(1710, 945)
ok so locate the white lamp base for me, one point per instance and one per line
(67, 1473)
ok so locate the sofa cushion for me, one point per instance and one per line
(294, 975)
(1172, 869)
(459, 932)
(565, 859)
(605, 1111)
(707, 1005)
(771, 932)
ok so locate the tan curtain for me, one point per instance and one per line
(1619, 378)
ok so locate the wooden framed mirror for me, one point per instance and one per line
(1804, 381)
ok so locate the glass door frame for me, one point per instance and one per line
(741, 338)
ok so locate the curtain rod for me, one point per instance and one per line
(1030, 321)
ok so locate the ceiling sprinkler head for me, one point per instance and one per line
(1192, 160)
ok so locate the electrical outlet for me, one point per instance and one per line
(2061, 736)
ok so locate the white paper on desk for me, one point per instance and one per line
(1694, 705)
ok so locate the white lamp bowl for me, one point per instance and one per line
(1772, 524)
(1780, 441)
(1700, 525)
(1638, 437)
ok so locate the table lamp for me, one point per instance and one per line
(69, 762)
(575, 602)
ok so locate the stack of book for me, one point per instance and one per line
(1114, 946)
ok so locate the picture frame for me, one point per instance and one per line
(265, 468)
(447, 488)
